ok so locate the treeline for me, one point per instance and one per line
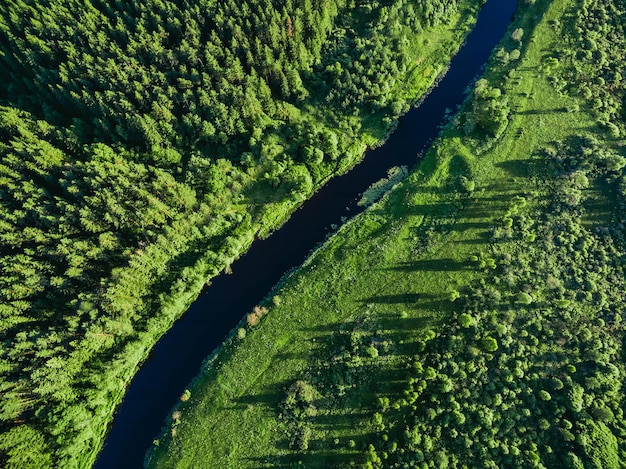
(139, 145)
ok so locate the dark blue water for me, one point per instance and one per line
(177, 357)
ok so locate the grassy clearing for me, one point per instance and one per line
(383, 280)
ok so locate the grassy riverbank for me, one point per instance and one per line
(471, 262)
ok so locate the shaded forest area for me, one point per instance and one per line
(140, 143)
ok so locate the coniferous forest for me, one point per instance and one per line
(143, 145)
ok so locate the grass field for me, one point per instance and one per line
(384, 279)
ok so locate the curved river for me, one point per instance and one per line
(177, 357)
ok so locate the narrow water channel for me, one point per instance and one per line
(177, 357)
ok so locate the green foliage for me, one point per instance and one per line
(297, 408)
(299, 401)
(600, 446)
(466, 320)
(26, 447)
(468, 184)
(544, 395)
(489, 344)
(379, 188)
(524, 298)
(139, 149)
(490, 111)
(496, 378)
(597, 42)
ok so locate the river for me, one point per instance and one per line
(177, 357)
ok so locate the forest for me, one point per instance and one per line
(144, 147)
(473, 317)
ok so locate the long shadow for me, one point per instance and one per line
(436, 209)
(486, 239)
(400, 325)
(524, 168)
(312, 459)
(423, 300)
(338, 414)
(477, 209)
(387, 322)
(345, 419)
(462, 226)
(540, 111)
(334, 327)
(291, 356)
(431, 265)
(269, 398)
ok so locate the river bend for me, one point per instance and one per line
(178, 355)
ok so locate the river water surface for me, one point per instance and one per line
(177, 357)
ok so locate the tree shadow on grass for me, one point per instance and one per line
(335, 420)
(436, 209)
(404, 326)
(400, 298)
(270, 396)
(431, 265)
(477, 225)
(315, 459)
(484, 239)
(411, 300)
(291, 355)
(540, 111)
(349, 382)
(529, 168)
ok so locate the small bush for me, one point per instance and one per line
(255, 316)
(517, 34)
(489, 344)
(466, 320)
(524, 298)
(544, 395)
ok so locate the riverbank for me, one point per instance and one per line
(325, 379)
